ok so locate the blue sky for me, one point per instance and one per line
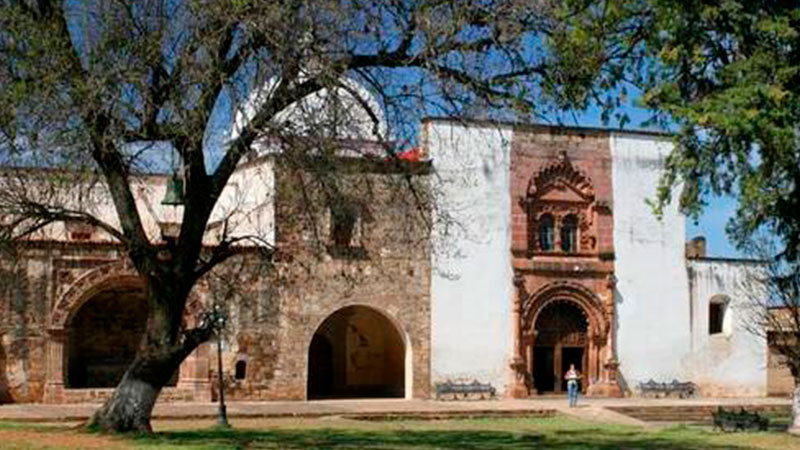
(712, 226)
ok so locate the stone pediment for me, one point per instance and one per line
(562, 192)
(561, 181)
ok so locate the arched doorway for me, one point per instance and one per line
(561, 331)
(356, 353)
(103, 336)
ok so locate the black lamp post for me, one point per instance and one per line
(220, 318)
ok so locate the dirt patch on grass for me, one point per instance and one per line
(55, 437)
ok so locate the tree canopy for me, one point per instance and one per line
(727, 74)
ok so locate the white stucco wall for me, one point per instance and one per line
(652, 295)
(247, 203)
(732, 362)
(471, 286)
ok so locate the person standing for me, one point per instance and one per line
(572, 376)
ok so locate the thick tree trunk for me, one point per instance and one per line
(794, 427)
(129, 408)
(131, 405)
(161, 351)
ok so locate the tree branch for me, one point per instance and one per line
(48, 214)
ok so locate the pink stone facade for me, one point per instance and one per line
(558, 176)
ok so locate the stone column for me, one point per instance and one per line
(610, 307)
(609, 383)
(591, 370)
(529, 354)
(55, 347)
(519, 388)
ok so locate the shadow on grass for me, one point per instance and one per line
(589, 438)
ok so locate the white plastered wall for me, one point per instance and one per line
(247, 203)
(731, 363)
(652, 298)
(471, 286)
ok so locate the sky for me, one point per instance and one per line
(712, 226)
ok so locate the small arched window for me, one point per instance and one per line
(569, 234)
(241, 370)
(546, 232)
(718, 315)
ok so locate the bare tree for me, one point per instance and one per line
(772, 312)
(94, 94)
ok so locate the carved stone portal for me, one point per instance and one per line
(562, 324)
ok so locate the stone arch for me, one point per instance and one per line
(119, 274)
(358, 351)
(88, 285)
(546, 358)
(111, 276)
(569, 291)
(118, 313)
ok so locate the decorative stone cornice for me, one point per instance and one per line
(560, 174)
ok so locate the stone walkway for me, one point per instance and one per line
(597, 413)
(590, 408)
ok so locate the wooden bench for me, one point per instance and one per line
(464, 389)
(682, 389)
(727, 420)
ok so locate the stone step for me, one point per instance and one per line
(600, 414)
(449, 415)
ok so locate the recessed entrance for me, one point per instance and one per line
(103, 338)
(356, 353)
(561, 331)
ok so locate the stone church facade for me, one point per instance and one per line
(325, 317)
(562, 261)
(543, 253)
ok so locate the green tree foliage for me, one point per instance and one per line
(727, 73)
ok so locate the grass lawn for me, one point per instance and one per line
(336, 433)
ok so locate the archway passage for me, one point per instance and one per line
(561, 340)
(103, 337)
(356, 353)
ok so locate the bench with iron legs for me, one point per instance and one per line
(729, 420)
(681, 389)
(465, 390)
